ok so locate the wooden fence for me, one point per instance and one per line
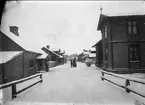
(126, 84)
(14, 83)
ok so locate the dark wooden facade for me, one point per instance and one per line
(18, 67)
(80, 57)
(99, 54)
(54, 56)
(1, 74)
(123, 42)
(21, 66)
(6, 44)
(43, 62)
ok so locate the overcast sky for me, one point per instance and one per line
(69, 25)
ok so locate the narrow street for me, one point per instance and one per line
(75, 85)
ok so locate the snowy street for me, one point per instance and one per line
(64, 84)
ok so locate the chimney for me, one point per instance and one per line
(59, 50)
(14, 30)
(47, 46)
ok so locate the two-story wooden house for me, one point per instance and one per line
(123, 42)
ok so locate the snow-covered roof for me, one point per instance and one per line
(55, 49)
(6, 56)
(85, 52)
(92, 55)
(60, 56)
(21, 42)
(93, 49)
(123, 14)
(85, 56)
(97, 43)
(54, 53)
(105, 16)
(43, 56)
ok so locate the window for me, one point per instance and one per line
(40, 63)
(132, 28)
(106, 32)
(134, 52)
(30, 63)
(106, 53)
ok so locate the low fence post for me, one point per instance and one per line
(127, 83)
(102, 76)
(14, 94)
(41, 78)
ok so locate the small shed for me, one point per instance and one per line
(54, 57)
(43, 62)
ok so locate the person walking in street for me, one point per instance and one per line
(71, 63)
(74, 62)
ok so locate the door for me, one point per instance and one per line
(134, 56)
(1, 73)
(133, 49)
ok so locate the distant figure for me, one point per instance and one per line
(74, 62)
(71, 63)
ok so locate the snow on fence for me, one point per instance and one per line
(130, 84)
(14, 84)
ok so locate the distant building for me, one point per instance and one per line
(80, 57)
(54, 58)
(123, 42)
(61, 59)
(42, 61)
(92, 54)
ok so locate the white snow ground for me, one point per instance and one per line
(81, 86)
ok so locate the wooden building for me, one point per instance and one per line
(42, 62)
(92, 54)
(80, 57)
(123, 42)
(16, 62)
(53, 57)
(99, 54)
(61, 58)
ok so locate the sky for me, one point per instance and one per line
(68, 25)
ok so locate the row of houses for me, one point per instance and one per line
(122, 47)
(17, 62)
(87, 54)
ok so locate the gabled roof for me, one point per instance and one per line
(7, 44)
(44, 48)
(6, 56)
(43, 56)
(104, 17)
(93, 49)
(124, 14)
(97, 43)
(94, 45)
(60, 56)
(101, 20)
(53, 52)
(92, 55)
(86, 55)
(20, 43)
(59, 51)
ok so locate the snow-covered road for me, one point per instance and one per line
(64, 84)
